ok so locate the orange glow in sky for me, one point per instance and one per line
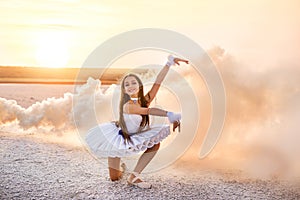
(63, 33)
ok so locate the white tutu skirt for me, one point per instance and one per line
(104, 140)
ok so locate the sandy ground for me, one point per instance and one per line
(31, 169)
(34, 169)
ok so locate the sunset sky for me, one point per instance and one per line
(64, 32)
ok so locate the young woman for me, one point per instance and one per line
(132, 133)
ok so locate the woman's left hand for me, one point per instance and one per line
(176, 124)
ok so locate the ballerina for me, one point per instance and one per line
(132, 133)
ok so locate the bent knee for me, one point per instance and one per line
(114, 178)
(114, 174)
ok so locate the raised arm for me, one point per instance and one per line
(161, 76)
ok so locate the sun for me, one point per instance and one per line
(52, 50)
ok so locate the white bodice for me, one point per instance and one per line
(133, 122)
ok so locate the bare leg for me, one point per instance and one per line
(144, 160)
(114, 168)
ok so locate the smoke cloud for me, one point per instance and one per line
(261, 131)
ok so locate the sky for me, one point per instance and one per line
(62, 33)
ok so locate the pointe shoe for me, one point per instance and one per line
(142, 184)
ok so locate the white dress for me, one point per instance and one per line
(105, 140)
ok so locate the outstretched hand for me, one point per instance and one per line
(177, 60)
(176, 124)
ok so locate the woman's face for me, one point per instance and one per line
(131, 86)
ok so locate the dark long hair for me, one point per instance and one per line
(124, 99)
